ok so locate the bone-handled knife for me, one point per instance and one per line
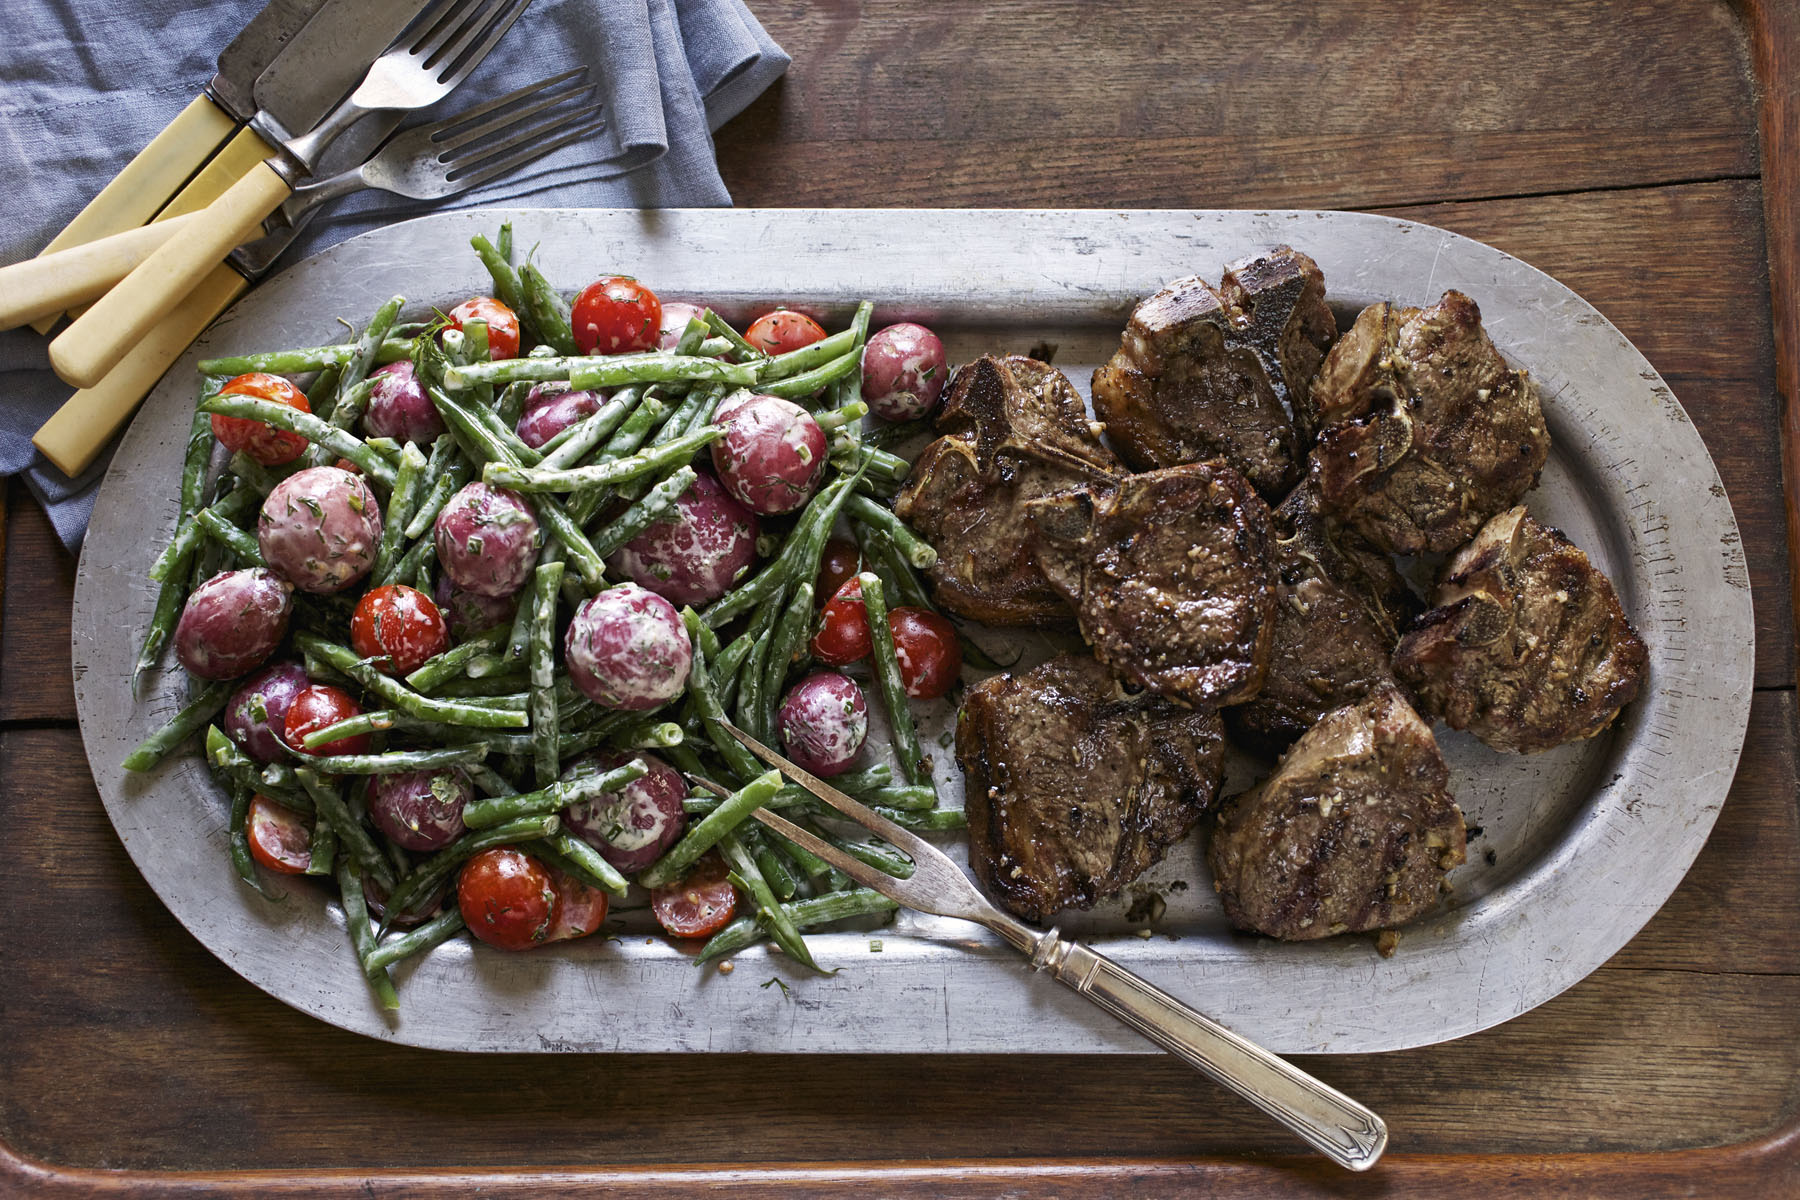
(158, 171)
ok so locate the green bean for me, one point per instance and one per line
(507, 289)
(600, 371)
(414, 569)
(769, 912)
(353, 390)
(475, 341)
(542, 660)
(234, 768)
(242, 546)
(399, 511)
(572, 444)
(797, 362)
(854, 410)
(730, 665)
(648, 735)
(393, 762)
(302, 362)
(258, 478)
(426, 937)
(880, 855)
(626, 440)
(322, 857)
(356, 916)
(803, 914)
(723, 328)
(397, 694)
(750, 679)
(917, 552)
(549, 314)
(929, 820)
(880, 464)
(819, 513)
(887, 679)
(332, 811)
(575, 856)
(657, 503)
(336, 440)
(889, 432)
(511, 405)
(378, 720)
(445, 472)
(706, 834)
(481, 814)
(518, 640)
(907, 797)
(196, 714)
(485, 687)
(231, 508)
(537, 479)
(857, 782)
(786, 647)
(434, 870)
(240, 839)
(781, 881)
(169, 595)
(446, 666)
(797, 387)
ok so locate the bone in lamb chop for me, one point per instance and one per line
(1354, 831)
(1226, 372)
(1528, 647)
(1014, 429)
(1172, 576)
(1426, 432)
(1339, 608)
(1075, 788)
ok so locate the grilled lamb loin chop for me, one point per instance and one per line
(1354, 831)
(1014, 430)
(1339, 608)
(1527, 647)
(1172, 576)
(1222, 373)
(1076, 788)
(1426, 432)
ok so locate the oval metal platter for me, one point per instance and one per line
(1576, 848)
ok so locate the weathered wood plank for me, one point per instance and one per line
(34, 615)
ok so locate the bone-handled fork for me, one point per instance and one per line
(449, 40)
(426, 162)
(1330, 1121)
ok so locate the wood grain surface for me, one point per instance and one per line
(1613, 145)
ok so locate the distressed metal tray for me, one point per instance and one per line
(1576, 849)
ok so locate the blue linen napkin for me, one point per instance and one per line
(86, 83)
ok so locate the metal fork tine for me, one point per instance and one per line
(849, 864)
(523, 134)
(466, 133)
(425, 24)
(455, 16)
(466, 55)
(499, 102)
(531, 154)
(862, 814)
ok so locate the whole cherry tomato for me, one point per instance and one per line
(841, 561)
(508, 899)
(783, 330)
(316, 707)
(698, 906)
(279, 839)
(399, 628)
(502, 323)
(930, 656)
(843, 636)
(261, 441)
(582, 910)
(615, 315)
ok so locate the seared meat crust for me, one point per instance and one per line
(1354, 831)
(1427, 432)
(1014, 430)
(1339, 609)
(1172, 576)
(1224, 373)
(1528, 647)
(1076, 788)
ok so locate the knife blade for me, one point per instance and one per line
(160, 169)
(324, 61)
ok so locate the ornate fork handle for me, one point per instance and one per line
(1332, 1122)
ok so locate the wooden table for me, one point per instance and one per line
(1616, 146)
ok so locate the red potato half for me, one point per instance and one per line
(551, 408)
(321, 528)
(772, 455)
(627, 648)
(420, 810)
(823, 722)
(232, 622)
(634, 825)
(694, 555)
(903, 371)
(487, 540)
(399, 408)
(256, 711)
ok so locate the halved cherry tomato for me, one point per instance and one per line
(508, 899)
(582, 910)
(502, 323)
(316, 707)
(930, 656)
(615, 315)
(279, 839)
(843, 636)
(698, 906)
(261, 441)
(783, 330)
(399, 628)
(841, 561)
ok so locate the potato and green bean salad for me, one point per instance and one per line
(465, 602)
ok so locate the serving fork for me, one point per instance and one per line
(1337, 1126)
(448, 41)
